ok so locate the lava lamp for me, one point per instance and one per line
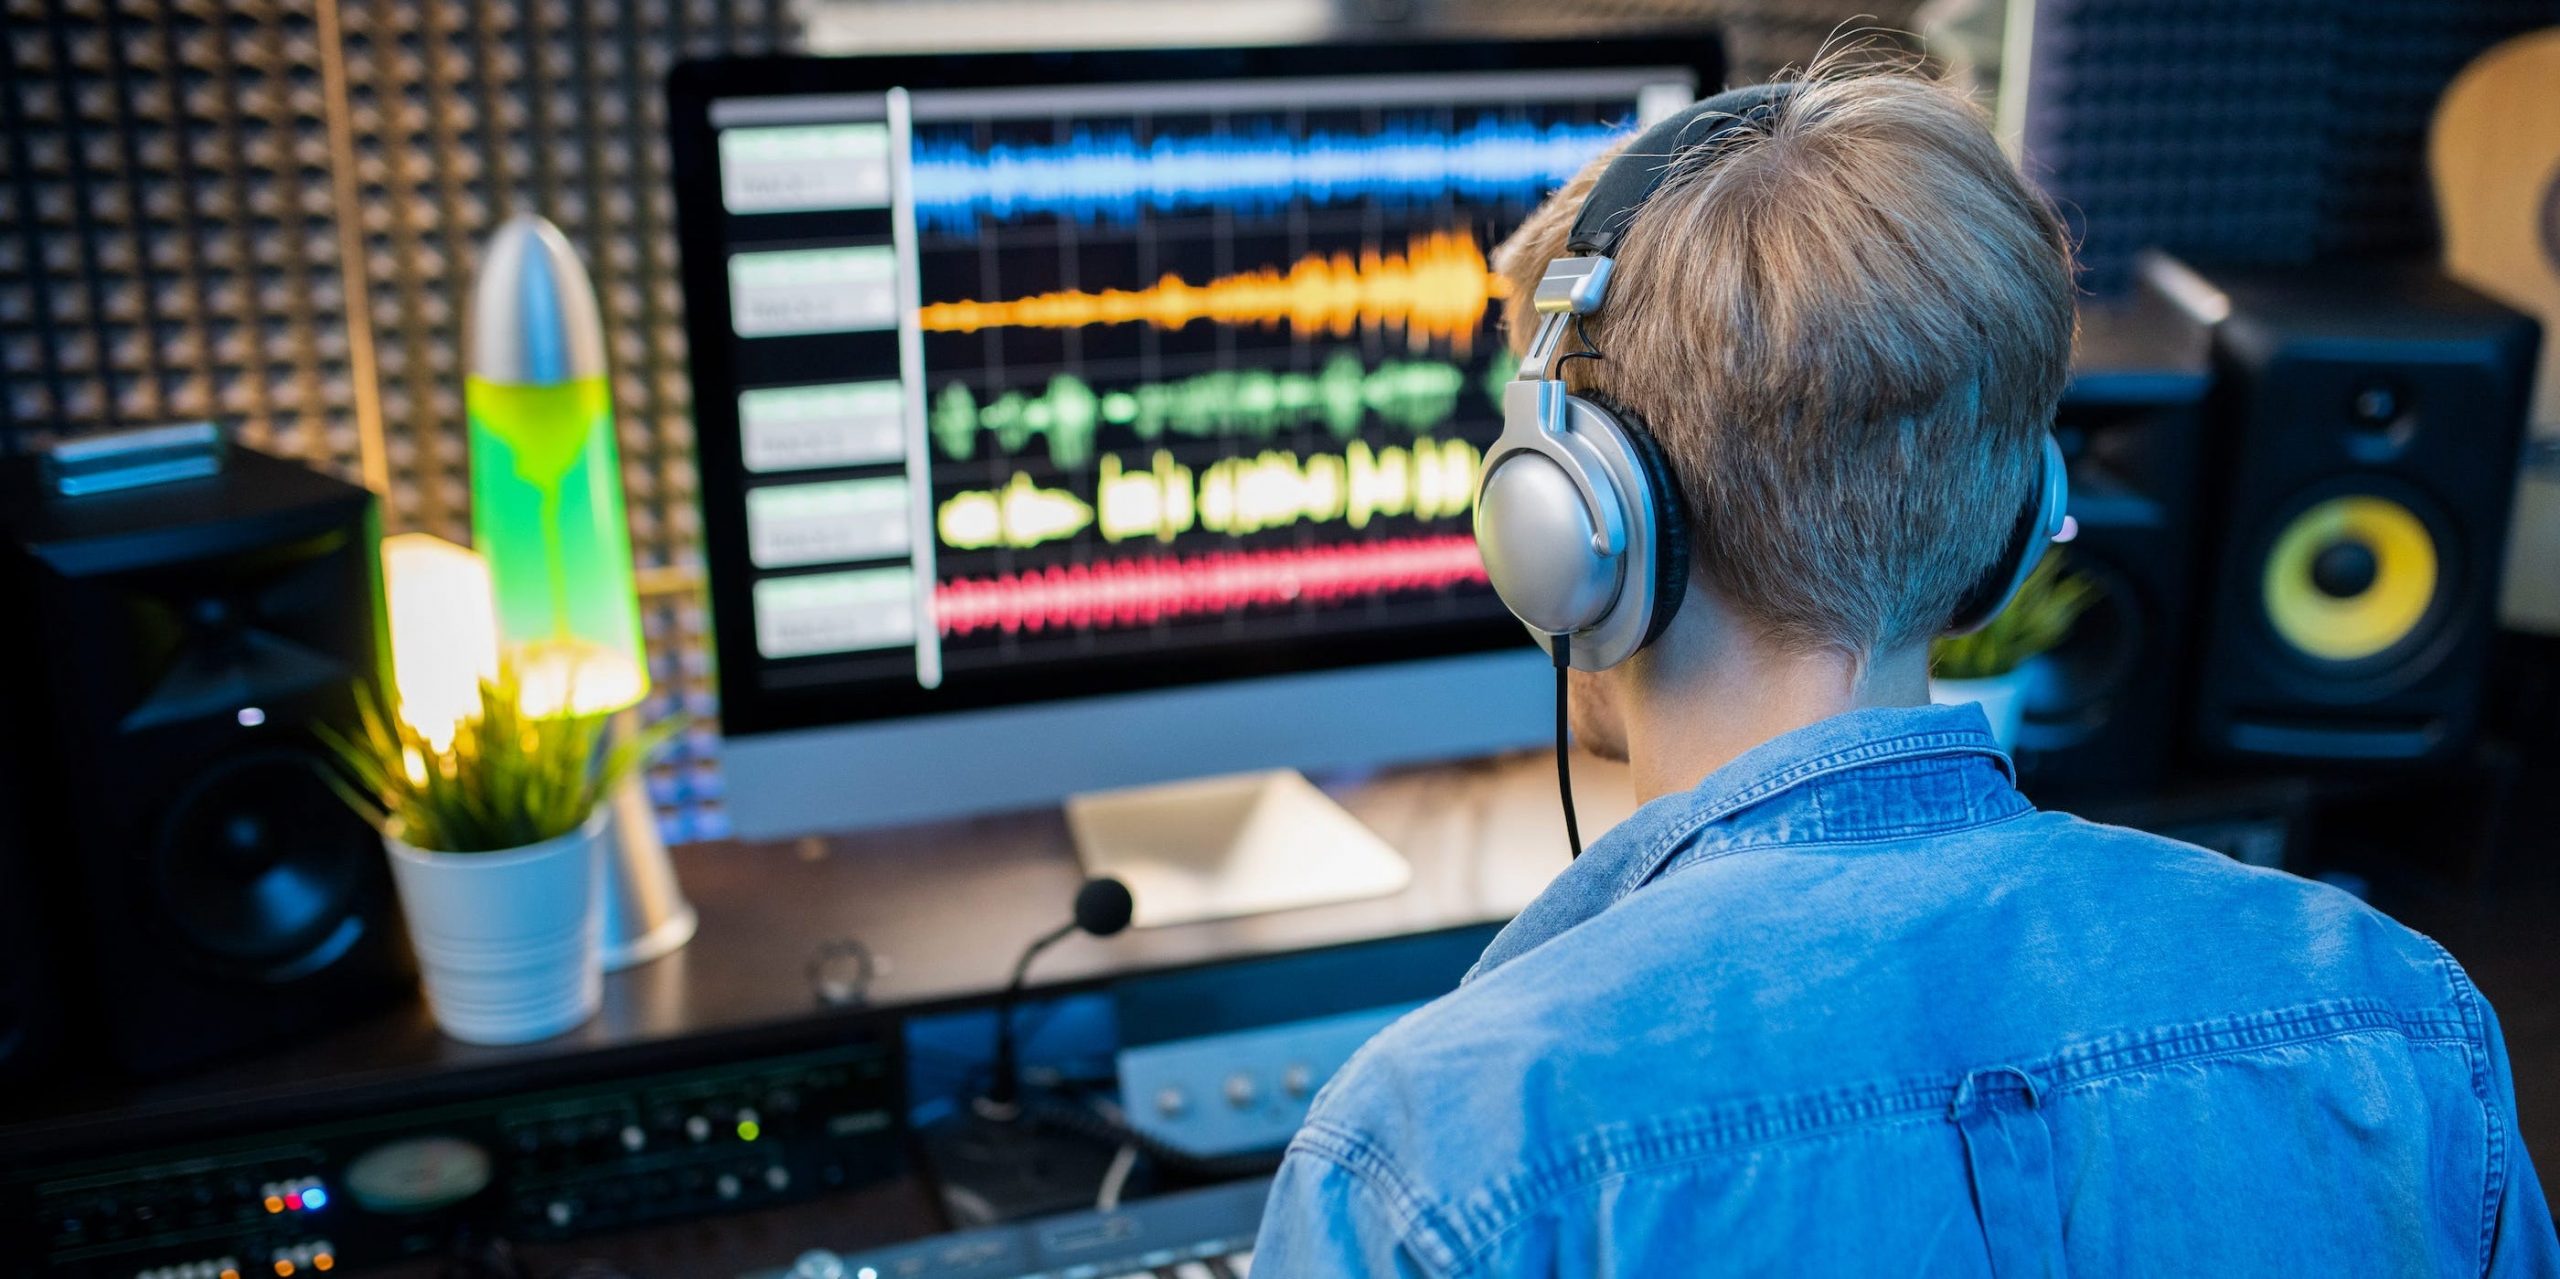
(547, 514)
(546, 479)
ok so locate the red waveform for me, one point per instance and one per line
(1135, 592)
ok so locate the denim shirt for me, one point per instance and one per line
(1854, 1006)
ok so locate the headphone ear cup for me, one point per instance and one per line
(2033, 534)
(1670, 520)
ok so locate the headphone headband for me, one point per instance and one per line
(1641, 168)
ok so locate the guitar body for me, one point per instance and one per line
(2493, 153)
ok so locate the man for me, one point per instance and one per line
(1837, 999)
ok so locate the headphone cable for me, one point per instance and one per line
(1561, 647)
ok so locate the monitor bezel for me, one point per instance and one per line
(747, 707)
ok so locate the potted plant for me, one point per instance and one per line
(1993, 665)
(496, 851)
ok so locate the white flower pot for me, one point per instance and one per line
(2003, 699)
(510, 944)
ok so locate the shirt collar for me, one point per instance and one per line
(1636, 851)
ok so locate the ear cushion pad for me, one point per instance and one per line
(2038, 523)
(1670, 516)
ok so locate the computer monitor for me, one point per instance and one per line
(1081, 420)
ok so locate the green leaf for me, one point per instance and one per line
(2049, 603)
(508, 779)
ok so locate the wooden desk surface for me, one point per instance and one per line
(944, 909)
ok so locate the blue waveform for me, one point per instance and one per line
(1098, 175)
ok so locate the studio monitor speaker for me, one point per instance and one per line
(2366, 421)
(2102, 709)
(199, 885)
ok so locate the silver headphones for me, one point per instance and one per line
(1577, 515)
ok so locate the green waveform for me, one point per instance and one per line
(1429, 480)
(1413, 395)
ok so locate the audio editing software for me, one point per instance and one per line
(1064, 377)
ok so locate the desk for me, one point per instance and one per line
(943, 908)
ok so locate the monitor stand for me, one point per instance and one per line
(1220, 847)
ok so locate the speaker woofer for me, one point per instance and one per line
(2352, 579)
(258, 865)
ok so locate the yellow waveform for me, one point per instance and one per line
(1156, 502)
(1436, 288)
(1431, 479)
(1020, 514)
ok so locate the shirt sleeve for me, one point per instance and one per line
(2523, 1242)
(1325, 1221)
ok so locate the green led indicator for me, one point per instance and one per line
(749, 1130)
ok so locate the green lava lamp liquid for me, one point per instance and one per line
(547, 512)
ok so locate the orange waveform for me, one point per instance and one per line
(1436, 288)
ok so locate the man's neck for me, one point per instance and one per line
(1701, 707)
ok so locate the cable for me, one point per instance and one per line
(1561, 646)
(1084, 1121)
(1116, 1179)
(1588, 351)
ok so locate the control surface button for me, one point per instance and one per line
(818, 1263)
(1171, 1102)
(727, 1187)
(559, 1213)
(778, 1177)
(697, 1128)
(1240, 1090)
(1298, 1081)
(633, 1138)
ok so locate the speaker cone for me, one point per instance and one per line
(259, 864)
(2351, 578)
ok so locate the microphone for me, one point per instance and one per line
(1103, 907)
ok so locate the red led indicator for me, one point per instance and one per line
(294, 1201)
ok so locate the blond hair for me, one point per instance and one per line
(1848, 330)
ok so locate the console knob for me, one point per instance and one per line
(1298, 1081)
(818, 1263)
(727, 1187)
(633, 1138)
(1240, 1090)
(1171, 1102)
(778, 1177)
(559, 1213)
(697, 1127)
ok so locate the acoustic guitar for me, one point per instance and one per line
(2493, 153)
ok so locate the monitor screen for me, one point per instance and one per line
(1023, 377)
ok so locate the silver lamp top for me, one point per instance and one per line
(533, 319)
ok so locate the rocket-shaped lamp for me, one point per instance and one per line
(546, 479)
(547, 514)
